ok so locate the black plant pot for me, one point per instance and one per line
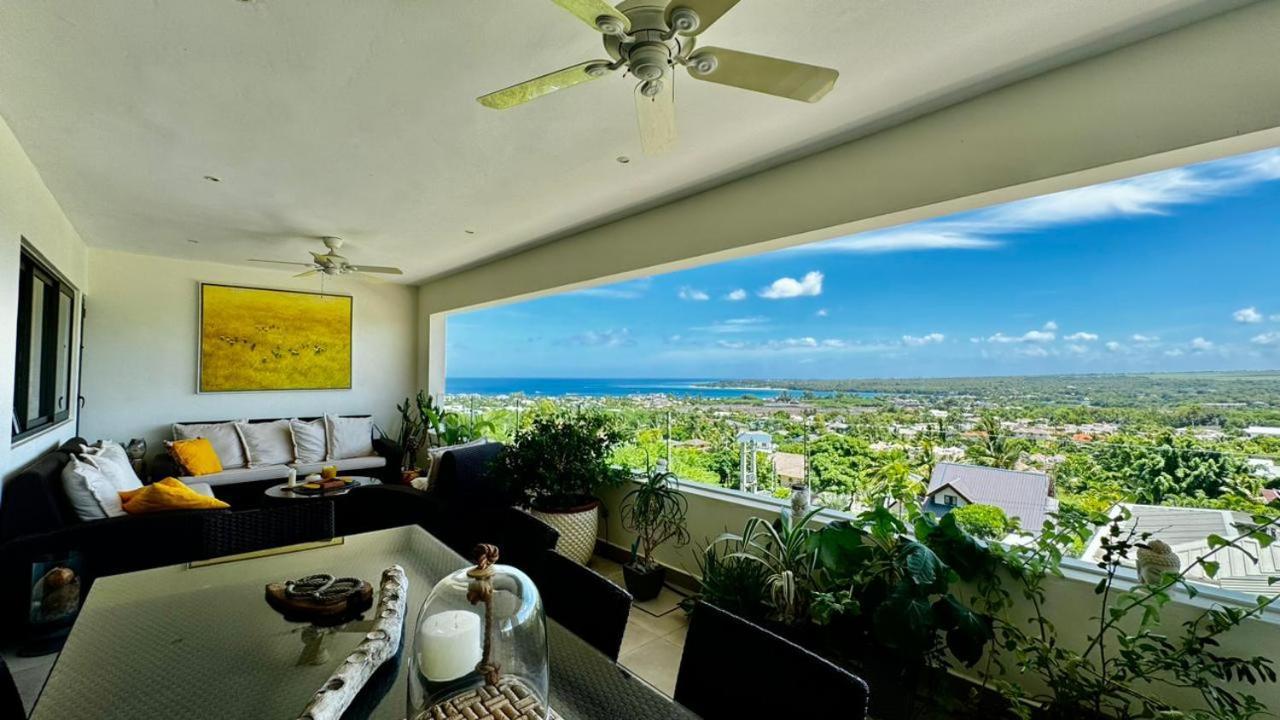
(644, 583)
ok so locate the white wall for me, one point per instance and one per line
(141, 340)
(28, 210)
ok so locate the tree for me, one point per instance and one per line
(1152, 472)
(995, 449)
(837, 462)
(982, 521)
(891, 477)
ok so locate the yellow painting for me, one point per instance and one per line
(252, 339)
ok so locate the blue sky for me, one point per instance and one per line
(1176, 270)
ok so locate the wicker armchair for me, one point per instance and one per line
(724, 651)
(582, 600)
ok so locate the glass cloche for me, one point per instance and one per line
(480, 648)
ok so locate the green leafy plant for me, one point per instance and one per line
(901, 586)
(785, 551)
(561, 460)
(731, 582)
(1130, 660)
(655, 511)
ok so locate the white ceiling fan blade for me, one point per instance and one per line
(549, 83)
(371, 278)
(656, 113)
(760, 73)
(708, 11)
(308, 273)
(377, 269)
(600, 15)
(281, 262)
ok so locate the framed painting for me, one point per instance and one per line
(252, 339)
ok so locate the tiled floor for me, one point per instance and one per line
(654, 640)
(29, 674)
(651, 647)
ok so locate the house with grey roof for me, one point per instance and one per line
(1025, 496)
(1243, 569)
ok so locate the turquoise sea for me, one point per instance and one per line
(604, 387)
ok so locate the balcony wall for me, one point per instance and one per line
(1072, 605)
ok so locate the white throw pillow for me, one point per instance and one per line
(79, 480)
(266, 443)
(349, 437)
(222, 436)
(112, 461)
(309, 441)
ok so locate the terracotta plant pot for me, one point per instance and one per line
(644, 583)
(578, 527)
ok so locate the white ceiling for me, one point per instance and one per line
(358, 119)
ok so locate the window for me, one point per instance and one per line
(46, 322)
(949, 500)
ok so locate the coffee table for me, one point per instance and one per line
(282, 490)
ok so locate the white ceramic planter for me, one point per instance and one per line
(578, 528)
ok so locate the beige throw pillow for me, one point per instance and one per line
(266, 443)
(222, 436)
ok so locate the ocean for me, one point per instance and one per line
(603, 387)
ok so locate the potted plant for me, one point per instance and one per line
(412, 435)
(555, 467)
(655, 511)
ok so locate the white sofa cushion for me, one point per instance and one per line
(344, 465)
(222, 436)
(83, 483)
(349, 437)
(310, 444)
(266, 443)
(240, 475)
(110, 459)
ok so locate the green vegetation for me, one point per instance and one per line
(986, 522)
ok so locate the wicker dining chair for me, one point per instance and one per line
(10, 701)
(723, 651)
(251, 530)
(583, 601)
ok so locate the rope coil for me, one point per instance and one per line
(480, 590)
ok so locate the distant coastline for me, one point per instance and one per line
(616, 387)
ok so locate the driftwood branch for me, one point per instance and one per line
(378, 646)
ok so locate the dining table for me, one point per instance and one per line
(198, 640)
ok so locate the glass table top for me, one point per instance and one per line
(201, 642)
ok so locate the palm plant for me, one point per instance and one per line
(891, 479)
(655, 511)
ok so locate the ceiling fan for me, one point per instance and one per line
(331, 263)
(649, 38)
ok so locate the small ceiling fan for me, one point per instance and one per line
(649, 38)
(331, 263)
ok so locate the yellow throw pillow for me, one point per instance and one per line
(195, 457)
(168, 494)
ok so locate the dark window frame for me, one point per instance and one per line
(33, 269)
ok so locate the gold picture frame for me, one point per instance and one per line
(259, 339)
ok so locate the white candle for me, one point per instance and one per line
(293, 477)
(449, 645)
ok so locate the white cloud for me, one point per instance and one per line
(674, 338)
(604, 338)
(1146, 338)
(834, 343)
(1152, 194)
(1077, 349)
(632, 290)
(1033, 351)
(1030, 336)
(1081, 337)
(1051, 326)
(802, 342)
(930, 339)
(1200, 345)
(694, 294)
(755, 323)
(1266, 338)
(736, 295)
(1247, 315)
(730, 344)
(1114, 346)
(1176, 352)
(785, 287)
(822, 312)
(910, 237)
